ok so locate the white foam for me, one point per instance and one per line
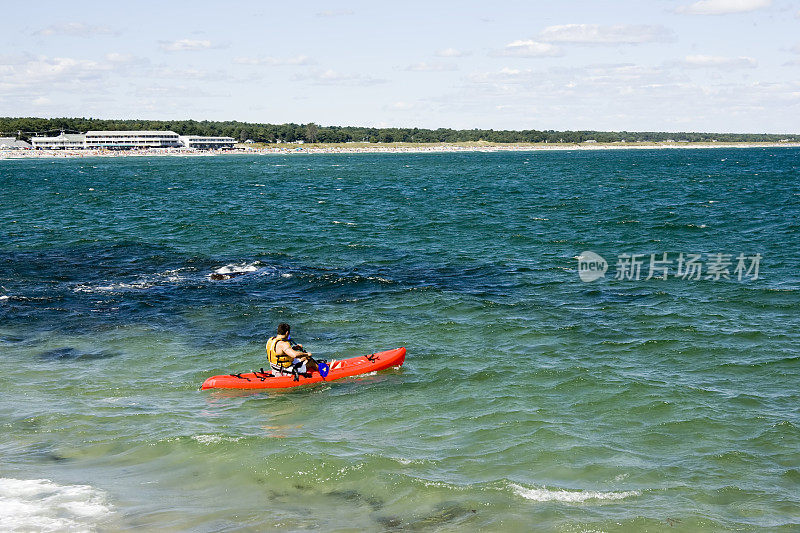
(238, 269)
(404, 461)
(115, 287)
(569, 496)
(143, 283)
(41, 505)
(173, 275)
(214, 439)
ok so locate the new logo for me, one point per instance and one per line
(591, 266)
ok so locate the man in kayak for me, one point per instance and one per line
(286, 358)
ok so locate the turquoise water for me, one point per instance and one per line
(529, 398)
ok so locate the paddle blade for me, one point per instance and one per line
(323, 369)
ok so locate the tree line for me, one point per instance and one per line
(25, 128)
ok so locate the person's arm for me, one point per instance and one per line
(288, 350)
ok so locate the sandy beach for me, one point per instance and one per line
(369, 148)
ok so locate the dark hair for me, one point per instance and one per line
(283, 328)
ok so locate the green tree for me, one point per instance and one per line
(311, 132)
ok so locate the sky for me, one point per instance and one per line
(655, 65)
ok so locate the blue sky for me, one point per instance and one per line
(657, 65)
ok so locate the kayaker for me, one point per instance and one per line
(286, 358)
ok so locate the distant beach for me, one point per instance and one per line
(379, 148)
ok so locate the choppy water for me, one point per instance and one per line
(529, 398)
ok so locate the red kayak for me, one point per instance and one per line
(338, 369)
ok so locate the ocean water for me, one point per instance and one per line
(530, 399)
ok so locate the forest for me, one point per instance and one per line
(25, 128)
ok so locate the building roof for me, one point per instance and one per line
(132, 133)
(207, 138)
(12, 142)
(72, 137)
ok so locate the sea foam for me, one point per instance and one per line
(238, 268)
(42, 505)
(569, 496)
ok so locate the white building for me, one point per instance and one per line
(65, 141)
(123, 140)
(11, 143)
(207, 143)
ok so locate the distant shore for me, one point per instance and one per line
(383, 148)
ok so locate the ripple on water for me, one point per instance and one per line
(528, 396)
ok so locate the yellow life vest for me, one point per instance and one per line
(282, 360)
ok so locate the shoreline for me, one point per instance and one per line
(396, 148)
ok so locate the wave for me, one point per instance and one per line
(42, 505)
(233, 270)
(788, 360)
(568, 496)
(238, 268)
(142, 282)
(115, 287)
(209, 439)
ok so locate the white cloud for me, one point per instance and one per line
(723, 7)
(430, 67)
(529, 49)
(331, 77)
(632, 97)
(505, 77)
(115, 57)
(125, 60)
(704, 61)
(168, 72)
(335, 13)
(401, 106)
(452, 52)
(623, 75)
(174, 91)
(75, 29)
(276, 61)
(601, 78)
(597, 34)
(184, 45)
(796, 61)
(36, 73)
(42, 101)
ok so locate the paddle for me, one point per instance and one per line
(322, 366)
